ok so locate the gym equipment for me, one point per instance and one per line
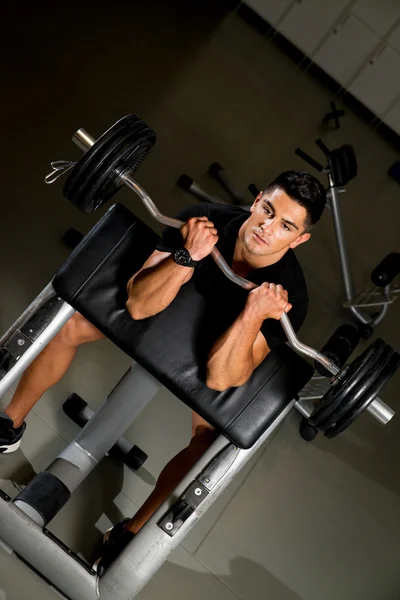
(78, 411)
(387, 270)
(394, 171)
(352, 391)
(340, 169)
(85, 140)
(93, 282)
(96, 177)
(253, 189)
(332, 118)
(189, 185)
(72, 237)
(219, 174)
(339, 347)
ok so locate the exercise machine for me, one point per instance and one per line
(164, 349)
(369, 305)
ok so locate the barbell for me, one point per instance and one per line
(109, 162)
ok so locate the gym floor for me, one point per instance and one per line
(304, 521)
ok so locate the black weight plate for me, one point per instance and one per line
(359, 390)
(95, 169)
(98, 176)
(360, 376)
(72, 184)
(387, 373)
(109, 163)
(125, 155)
(83, 182)
(344, 382)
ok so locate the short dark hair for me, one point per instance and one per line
(306, 190)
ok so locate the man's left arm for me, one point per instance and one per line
(242, 348)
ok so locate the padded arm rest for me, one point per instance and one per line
(117, 233)
(171, 345)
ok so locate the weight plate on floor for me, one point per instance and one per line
(357, 392)
(97, 176)
(345, 382)
(387, 372)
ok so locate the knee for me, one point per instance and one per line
(202, 439)
(72, 333)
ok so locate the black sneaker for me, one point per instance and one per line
(10, 437)
(115, 540)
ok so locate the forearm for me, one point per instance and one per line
(230, 362)
(154, 288)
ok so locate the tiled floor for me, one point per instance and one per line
(302, 521)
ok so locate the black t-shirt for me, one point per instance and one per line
(227, 299)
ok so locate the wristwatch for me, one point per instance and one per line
(182, 257)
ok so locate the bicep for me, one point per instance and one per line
(260, 349)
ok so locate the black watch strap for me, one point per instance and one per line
(182, 257)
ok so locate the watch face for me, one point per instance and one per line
(182, 257)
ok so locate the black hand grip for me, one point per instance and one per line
(309, 159)
(387, 270)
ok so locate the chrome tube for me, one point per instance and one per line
(83, 139)
(385, 306)
(381, 411)
(378, 409)
(41, 299)
(63, 315)
(342, 251)
(148, 550)
(45, 555)
(343, 259)
(305, 407)
(196, 190)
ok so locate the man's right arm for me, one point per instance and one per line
(156, 285)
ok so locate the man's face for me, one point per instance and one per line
(276, 224)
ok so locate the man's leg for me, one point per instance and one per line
(50, 366)
(203, 435)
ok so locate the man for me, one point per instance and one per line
(244, 326)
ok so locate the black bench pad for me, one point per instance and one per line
(93, 281)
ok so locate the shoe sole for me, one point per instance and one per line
(106, 537)
(11, 448)
(95, 565)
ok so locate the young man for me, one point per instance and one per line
(243, 326)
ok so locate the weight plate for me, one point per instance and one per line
(96, 177)
(387, 372)
(82, 184)
(358, 391)
(124, 156)
(345, 381)
(71, 187)
(95, 170)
